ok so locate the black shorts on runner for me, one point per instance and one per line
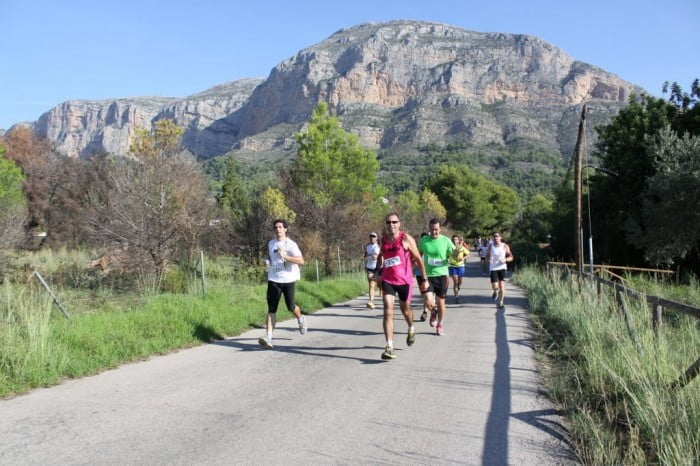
(274, 293)
(394, 290)
(438, 285)
(498, 275)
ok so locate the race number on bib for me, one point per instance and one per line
(435, 262)
(392, 261)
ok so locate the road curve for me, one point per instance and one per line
(472, 396)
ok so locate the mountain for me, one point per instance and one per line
(397, 85)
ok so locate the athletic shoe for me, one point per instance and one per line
(424, 316)
(494, 296)
(456, 299)
(265, 342)
(370, 305)
(439, 330)
(411, 338)
(433, 317)
(388, 353)
(302, 326)
(500, 303)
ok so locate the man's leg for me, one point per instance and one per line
(389, 319)
(501, 292)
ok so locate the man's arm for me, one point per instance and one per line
(410, 244)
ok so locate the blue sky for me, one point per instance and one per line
(53, 51)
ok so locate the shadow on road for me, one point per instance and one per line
(496, 439)
(249, 344)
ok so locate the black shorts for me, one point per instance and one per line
(498, 275)
(438, 285)
(394, 290)
(274, 293)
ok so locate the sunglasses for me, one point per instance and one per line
(392, 222)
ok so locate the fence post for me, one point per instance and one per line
(318, 279)
(53, 296)
(201, 257)
(657, 318)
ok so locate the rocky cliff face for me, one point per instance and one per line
(396, 84)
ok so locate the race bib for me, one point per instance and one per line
(392, 261)
(435, 262)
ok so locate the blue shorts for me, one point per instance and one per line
(457, 270)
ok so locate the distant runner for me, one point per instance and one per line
(498, 255)
(284, 257)
(370, 255)
(456, 263)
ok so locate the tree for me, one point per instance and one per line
(474, 204)
(622, 146)
(670, 216)
(156, 204)
(13, 204)
(336, 182)
(417, 210)
(535, 223)
(41, 167)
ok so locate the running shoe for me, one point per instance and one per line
(500, 303)
(456, 299)
(388, 353)
(411, 337)
(370, 305)
(433, 317)
(424, 316)
(494, 296)
(439, 330)
(265, 342)
(302, 326)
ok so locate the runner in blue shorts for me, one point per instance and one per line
(456, 263)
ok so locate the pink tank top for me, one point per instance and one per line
(396, 259)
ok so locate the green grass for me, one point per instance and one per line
(613, 377)
(40, 347)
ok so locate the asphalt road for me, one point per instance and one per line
(472, 396)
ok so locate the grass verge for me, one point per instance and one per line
(40, 347)
(612, 376)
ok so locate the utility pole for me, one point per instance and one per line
(578, 188)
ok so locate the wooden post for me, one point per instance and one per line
(201, 256)
(578, 188)
(657, 318)
(53, 296)
(689, 375)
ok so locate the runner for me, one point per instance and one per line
(370, 255)
(482, 255)
(436, 248)
(398, 250)
(456, 262)
(284, 259)
(426, 295)
(498, 255)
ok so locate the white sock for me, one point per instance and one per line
(412, 328)
(390, 343)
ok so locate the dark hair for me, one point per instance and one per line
(282, 221)
(434, 221)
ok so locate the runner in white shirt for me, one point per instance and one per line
(370, 255)
(284, 259)
(498, 255)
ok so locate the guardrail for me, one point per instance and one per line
(656, 304)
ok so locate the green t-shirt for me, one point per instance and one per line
(435, 252)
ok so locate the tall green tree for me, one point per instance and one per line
(670, 216)
(474, 204)
(618, 201)
(337, 181)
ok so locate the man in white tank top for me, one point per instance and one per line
(370, 255)
(498, 255)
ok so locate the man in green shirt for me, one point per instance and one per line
(436, 249)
